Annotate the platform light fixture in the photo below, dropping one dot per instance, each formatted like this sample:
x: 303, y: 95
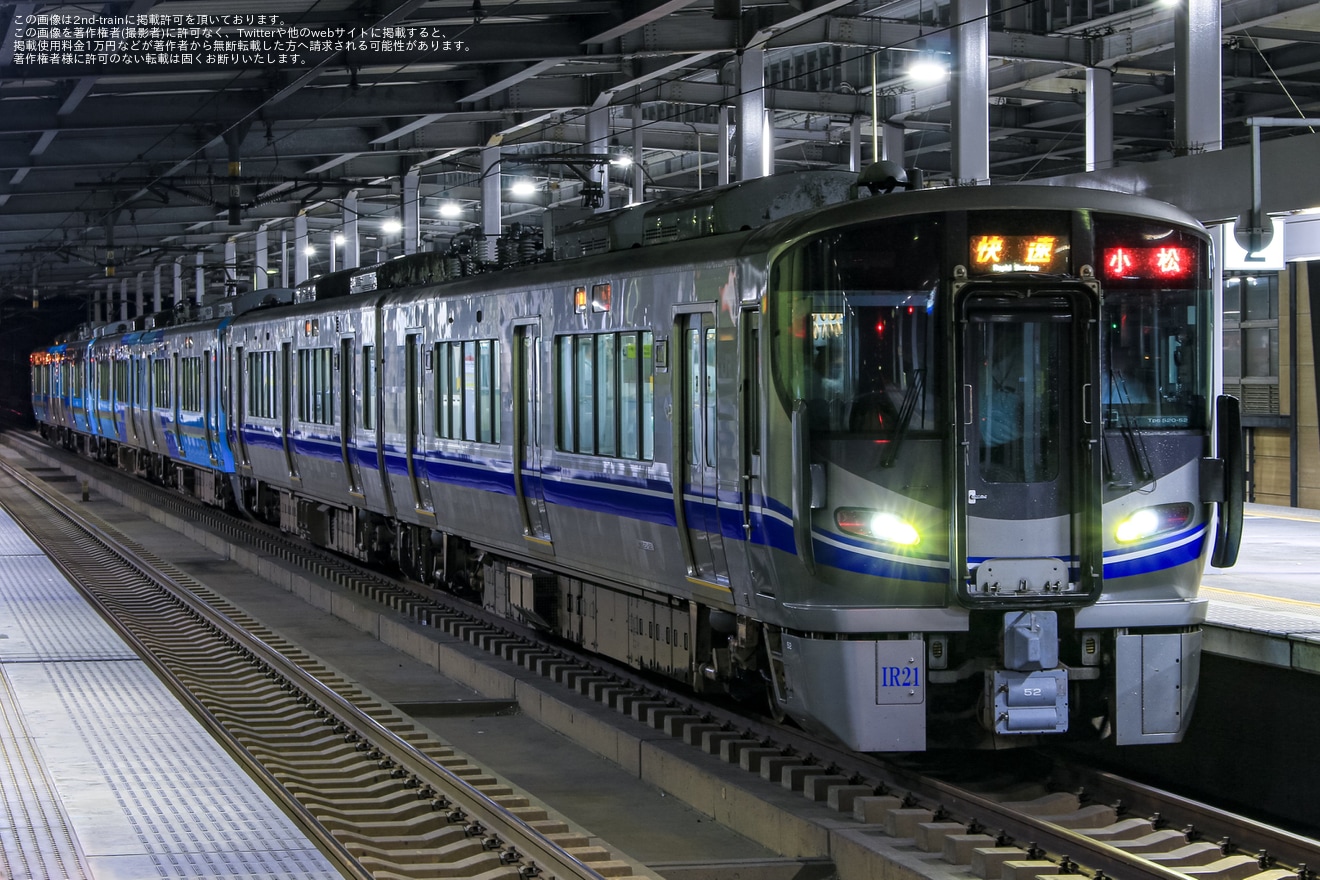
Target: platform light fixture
x: 927, y: 67
x: 523, y: 187
x: 450, y: 209
x: 392, y: 226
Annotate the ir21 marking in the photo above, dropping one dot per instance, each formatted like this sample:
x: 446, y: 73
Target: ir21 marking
x: 900, y: 676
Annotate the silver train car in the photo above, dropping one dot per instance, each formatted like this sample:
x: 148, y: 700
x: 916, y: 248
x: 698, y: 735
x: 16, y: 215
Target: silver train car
x: 938, y: 468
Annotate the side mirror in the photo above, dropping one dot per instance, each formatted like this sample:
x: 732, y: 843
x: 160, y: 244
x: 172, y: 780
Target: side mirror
x: 1231, y: 449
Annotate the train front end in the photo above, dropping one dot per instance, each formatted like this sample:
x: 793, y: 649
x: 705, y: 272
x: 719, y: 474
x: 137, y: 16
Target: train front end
x: 1001, y: 479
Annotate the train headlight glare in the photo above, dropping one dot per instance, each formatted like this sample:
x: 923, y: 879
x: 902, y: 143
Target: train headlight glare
x: 1141, y: 524
x: 877, y: 525
x: 1151, y: 521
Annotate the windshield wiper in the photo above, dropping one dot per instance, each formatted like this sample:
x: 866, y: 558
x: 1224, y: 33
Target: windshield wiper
x: 1136, y: 447
x: 905, y: 410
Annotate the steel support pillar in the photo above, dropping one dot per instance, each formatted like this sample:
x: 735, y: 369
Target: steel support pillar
x: 412, y: 212
x: 638, y: 170
x: 723, y: 148
x: 1198, y: 115
x: 891, y: 143
x: 301, y: 268
x: 231, y: 267
x: 598, y: 142
x: 1099, y: 118
x: 752, y: 140
x: 352, y: 246
x: 491, y: 212
x: 970, y: 91
x: 261, y: 259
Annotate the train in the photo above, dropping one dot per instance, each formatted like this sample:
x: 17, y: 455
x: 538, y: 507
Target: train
x: 921, y: 467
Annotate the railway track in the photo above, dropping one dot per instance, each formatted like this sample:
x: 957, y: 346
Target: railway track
x: 382, y: 797
x: 1071, y: 821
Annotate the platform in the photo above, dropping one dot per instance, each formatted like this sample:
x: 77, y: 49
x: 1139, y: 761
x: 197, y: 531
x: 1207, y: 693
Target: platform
x: 1266, y: 609
x: 105, y: 775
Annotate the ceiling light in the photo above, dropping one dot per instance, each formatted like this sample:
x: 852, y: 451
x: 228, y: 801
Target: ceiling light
x: 523, y: 188
x: 927, y: 68
x: 339, y: 238
x: 391, y: 226
x: 450, y: 209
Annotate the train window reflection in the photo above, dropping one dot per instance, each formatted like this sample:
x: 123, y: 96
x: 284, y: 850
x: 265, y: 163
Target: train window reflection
x: 1152, y: 368
x: 866, y: 358
x: 1017, y: 371
x: 854, y: 331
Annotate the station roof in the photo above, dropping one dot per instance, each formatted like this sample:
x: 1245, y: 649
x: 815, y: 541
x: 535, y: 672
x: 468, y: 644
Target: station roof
x: 143, y: 132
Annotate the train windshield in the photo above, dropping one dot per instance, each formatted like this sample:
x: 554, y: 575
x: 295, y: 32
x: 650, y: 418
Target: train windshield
x: 854, y: 331
x: 1155, y: 334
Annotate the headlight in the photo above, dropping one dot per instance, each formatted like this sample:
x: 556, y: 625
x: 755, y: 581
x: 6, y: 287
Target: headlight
x: 1151, y: 521
x: 877, y: 525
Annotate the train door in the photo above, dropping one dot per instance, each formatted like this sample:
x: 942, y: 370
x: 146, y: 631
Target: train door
x: 210, y: 416
x: 145, y: 403
x: 750, y: 419
x: 149, y: 403
x: 1030, y: 519
x: 373, y: 419
x: 348, y: 409
x: 132, y: 402
x: 176, y: 402
x: 527, y: 430
x: 286, y: 407
x: 696, y: 451
x: 241, y: 378
x: 414, y: 414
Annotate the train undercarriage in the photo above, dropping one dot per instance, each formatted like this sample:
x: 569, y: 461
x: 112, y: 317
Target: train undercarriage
x: 710, y: 650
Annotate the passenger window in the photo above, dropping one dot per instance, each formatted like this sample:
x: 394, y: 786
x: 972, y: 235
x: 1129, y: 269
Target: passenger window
x: 467, y: 376
x: 629, y: 400
x: 487, y: 368
x: 161, y: 368
x: 605, y: 388
x: 315, y: 386
x: 586, y: 393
